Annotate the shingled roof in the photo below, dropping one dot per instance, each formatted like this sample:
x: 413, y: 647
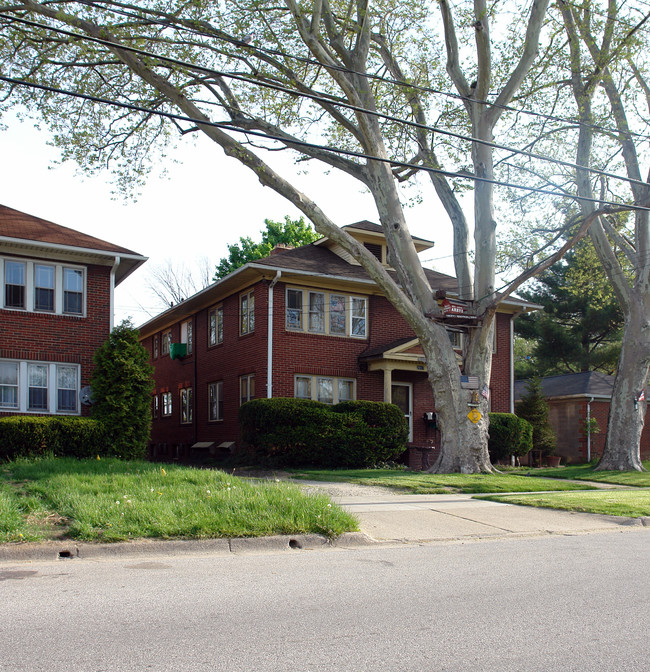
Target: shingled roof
x: 20, y: 225
x: 21, y: 231
x: 584, y: 384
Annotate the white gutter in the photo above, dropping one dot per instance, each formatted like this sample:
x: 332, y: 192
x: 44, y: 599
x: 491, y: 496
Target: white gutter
x: 589, y: 429
x: 269, y: 339
x: 114, y: 268
x: 512, y: 358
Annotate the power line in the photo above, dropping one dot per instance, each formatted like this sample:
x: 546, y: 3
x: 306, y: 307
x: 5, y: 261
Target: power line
x: 300, y: 143
x: 331, y: 100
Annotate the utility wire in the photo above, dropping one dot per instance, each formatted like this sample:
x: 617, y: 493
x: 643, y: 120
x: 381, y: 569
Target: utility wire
x: 332, y: 100
x: 228, y: 126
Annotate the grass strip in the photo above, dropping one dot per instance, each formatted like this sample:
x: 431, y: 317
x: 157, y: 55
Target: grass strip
x: 587, y: 472
x: 419, y: 483
x: 630, y: 503
x: 113, y: 500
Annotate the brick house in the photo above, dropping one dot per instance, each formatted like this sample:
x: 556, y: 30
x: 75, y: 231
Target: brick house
x: 305, y: 322
x: 573, y: 398
x: 56, y: 309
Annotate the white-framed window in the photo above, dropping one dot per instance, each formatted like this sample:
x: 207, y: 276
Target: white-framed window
x: 326, y: 389
x: 186, y: 335
x: 457, y: 339
x: 246, y: 388
x: 8, y: 385
x: 155, y: 346
x: 247, y: 313
x: 42, y: 287
x: 186, y: 405
x: 155, y: 405
x: 215, y: 401
x: 329, y: 313
x: 166, y: 399
x: 39, y: 387
x: 166, y: 342
x: 215, y: 325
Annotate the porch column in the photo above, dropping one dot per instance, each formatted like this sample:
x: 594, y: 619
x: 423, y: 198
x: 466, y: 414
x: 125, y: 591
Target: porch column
x: 388, y: 385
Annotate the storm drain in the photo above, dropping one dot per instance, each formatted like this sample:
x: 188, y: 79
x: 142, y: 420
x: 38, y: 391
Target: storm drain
x: 294, y: 543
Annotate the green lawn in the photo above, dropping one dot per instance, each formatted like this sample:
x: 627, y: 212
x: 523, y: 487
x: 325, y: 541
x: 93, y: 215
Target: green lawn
x: 419, y: 483
x: 632, y: 503
x: 586, y: 472
x: 114, y: 500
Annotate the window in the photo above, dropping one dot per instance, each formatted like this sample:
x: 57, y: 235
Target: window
x: 186, y: 406
x: 166, y: 403
x: 456, y: 338
x: 215, y: 401
x: 155, y: 347
x: 14, y: 284
x: 39, y: 387
x: 73, y: 291
x: 44, y: 288
x: 186, y: 335
x: 9, y: 385
x: 166, y: 342
x: 215, y: 326
x: 39, y: 287
x: 155, y: 405
x: 66, y: 389
x: 326, y: 313
x: 247, y: 388
x: 326, y: 389
x: 247, y: 313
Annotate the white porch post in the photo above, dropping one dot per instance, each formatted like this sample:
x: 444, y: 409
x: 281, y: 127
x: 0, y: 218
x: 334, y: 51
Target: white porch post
x: 388, y: 385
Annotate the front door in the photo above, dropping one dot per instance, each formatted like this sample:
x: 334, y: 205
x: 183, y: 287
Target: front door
x: 402, y: 396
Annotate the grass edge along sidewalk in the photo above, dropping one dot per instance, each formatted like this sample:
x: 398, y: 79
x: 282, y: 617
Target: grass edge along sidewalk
x: 110, y: 500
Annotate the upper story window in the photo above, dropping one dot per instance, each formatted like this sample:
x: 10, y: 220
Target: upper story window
x: 186, y: 335
x: 155, y: 347
x: 326, y: 313
x: 38, y: 287
x: 215, y: 325
x: 247, y: 313
x: 166, y: 341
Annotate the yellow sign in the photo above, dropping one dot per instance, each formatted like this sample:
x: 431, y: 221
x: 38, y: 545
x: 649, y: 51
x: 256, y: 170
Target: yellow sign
x: 474, y: 416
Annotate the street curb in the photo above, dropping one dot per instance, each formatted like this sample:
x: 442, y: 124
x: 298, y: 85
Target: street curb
x: 64, y: 551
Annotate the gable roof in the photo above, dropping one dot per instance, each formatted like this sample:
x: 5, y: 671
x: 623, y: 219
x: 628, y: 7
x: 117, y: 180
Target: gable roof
x: 26, y: 232
x: 584, y: 384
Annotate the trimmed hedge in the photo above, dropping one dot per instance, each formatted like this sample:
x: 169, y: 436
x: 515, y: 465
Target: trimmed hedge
x: 300, y: 432
x: 26, y: 436
x: 509, y: 435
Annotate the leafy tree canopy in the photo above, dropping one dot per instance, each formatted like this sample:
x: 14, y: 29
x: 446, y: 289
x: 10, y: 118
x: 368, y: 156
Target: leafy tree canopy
x: 580, y: 326
x: 291, y: 232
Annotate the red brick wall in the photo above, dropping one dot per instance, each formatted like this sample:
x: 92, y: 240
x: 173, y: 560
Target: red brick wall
x: 61, y: 338
x: 293, y: 353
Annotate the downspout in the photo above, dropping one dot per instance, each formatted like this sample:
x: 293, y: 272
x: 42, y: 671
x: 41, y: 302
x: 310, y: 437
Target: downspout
x: 512, y: 358
x: 111, y: 323
x: 269, y: 339
x: 589, y: 429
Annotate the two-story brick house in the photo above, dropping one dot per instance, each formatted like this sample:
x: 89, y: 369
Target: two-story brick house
x: 56, y: 308
x: 305, y: 322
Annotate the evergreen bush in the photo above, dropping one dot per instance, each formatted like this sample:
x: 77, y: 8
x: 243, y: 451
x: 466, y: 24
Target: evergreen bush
x: 300, y: 432
x: 122, y: 384
x: 509, y: 435
x: 534, y: 408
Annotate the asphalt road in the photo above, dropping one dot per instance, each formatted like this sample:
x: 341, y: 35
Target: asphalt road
x: 575, y: 602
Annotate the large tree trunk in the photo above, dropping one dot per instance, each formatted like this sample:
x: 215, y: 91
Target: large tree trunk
x: 627, y: 412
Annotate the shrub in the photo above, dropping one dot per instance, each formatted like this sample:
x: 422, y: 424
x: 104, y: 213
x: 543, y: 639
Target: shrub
x: 25, y: 436
x: 300, y: 432
x: 122, y: 385
x: 509, y: 435
x: 534, y: 408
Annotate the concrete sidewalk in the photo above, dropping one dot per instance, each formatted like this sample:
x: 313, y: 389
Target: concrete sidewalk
x: 422, y: 518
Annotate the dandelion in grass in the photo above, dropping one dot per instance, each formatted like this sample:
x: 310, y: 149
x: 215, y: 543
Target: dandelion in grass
x: 164, y: 473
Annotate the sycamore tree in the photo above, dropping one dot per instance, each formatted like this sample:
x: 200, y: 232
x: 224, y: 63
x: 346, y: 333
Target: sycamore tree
x: 600, y: 95
x: 357, y: 87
